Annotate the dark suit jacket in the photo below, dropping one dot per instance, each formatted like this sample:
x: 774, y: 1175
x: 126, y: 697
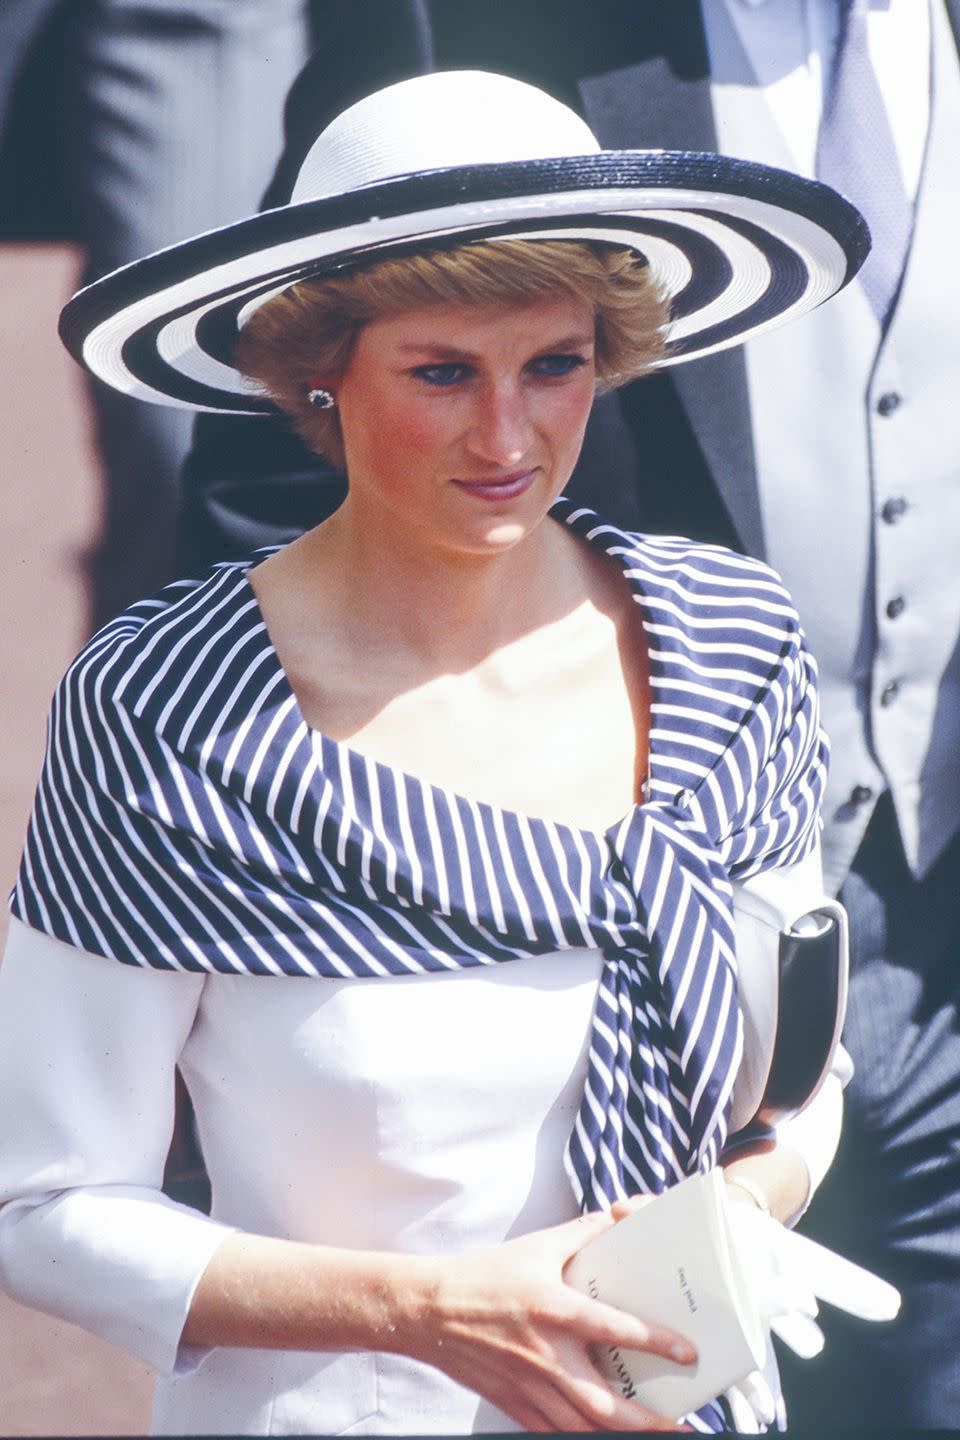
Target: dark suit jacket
x: 671, y: 453
x: 32, y: 170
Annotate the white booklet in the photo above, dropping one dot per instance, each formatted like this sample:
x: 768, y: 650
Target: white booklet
x: 674, y: 1262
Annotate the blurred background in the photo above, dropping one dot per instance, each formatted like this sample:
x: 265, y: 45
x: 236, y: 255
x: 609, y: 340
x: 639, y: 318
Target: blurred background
x: 54, y: 1378
x: 124, y: 125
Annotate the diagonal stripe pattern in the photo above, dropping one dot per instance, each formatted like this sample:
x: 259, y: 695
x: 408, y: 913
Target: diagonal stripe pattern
x: 187, y: 818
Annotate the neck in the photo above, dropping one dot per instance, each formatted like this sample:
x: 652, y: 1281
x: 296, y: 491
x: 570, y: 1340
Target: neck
x: 436, y: 607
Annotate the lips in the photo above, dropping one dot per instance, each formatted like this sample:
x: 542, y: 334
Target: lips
x: 505, y: 487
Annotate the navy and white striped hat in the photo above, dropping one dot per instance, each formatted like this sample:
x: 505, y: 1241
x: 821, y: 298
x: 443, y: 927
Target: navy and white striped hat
x: 456, y: 156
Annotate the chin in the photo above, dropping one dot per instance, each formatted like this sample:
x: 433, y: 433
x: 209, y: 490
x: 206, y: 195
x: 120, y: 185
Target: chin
x: 505, y: 533
x: 497, y: 533
x: 498, y: 536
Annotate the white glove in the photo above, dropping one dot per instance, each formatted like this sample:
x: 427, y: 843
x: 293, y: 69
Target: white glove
x: 753, y: 1406
x: 786, y: 1272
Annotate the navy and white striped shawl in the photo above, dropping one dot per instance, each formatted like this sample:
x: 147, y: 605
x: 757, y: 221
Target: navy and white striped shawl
x: 188, y: 818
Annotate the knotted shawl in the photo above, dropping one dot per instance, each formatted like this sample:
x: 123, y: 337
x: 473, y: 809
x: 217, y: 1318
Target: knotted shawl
x: 188, y: 818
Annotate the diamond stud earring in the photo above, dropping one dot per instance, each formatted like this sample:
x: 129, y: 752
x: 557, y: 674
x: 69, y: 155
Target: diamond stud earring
x: 321, y: 399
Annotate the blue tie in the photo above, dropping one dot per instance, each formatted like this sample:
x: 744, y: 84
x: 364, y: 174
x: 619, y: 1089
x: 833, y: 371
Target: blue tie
x: 856, y: 154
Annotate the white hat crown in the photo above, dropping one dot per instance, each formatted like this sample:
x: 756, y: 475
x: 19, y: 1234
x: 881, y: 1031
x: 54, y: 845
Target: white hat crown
x: 439, y: 121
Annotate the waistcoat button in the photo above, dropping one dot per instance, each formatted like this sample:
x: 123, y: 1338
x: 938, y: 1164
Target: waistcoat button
x: 860, y: 794
x: 889, y: 402
x: 893, y: 510
x: 889, y: 693
x: 896, y: 607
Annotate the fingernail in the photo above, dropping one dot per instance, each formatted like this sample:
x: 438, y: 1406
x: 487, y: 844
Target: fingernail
x: 683, y: 1354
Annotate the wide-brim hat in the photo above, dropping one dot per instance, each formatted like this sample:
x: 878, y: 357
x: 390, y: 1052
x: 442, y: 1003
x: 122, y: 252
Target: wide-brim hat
x: 459, y: 156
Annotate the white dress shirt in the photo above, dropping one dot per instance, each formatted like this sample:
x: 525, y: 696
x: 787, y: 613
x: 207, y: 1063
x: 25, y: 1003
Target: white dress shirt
x: 854, y: 431
x: 787, y: 44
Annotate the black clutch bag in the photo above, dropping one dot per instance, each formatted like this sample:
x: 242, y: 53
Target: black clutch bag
x: 792, y: 989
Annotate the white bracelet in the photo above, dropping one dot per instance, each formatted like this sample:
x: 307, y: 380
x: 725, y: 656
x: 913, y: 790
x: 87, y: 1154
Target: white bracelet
x: 751, y: 1188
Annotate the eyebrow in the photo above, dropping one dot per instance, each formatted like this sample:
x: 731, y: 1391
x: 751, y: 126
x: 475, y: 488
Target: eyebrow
x: 452, y: 352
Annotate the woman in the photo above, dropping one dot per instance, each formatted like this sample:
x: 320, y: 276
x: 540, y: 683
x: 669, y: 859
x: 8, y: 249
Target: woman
x: 329, y: 765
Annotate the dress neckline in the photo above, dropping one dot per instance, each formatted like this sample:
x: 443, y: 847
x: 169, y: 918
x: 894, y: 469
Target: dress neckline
x: 340, y: 753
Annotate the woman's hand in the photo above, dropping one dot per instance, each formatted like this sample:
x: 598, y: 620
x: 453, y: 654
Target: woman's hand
x: 503, y: 1322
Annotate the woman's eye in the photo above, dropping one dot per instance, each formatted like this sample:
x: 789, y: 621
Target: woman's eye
x: 447, y: 374
x: 556, y: 365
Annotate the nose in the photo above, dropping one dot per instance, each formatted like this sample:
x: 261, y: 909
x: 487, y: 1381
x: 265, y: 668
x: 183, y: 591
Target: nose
x: 501, y: 429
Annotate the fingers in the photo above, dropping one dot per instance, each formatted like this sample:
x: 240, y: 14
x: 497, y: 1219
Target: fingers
x: 839, y: 1281
x: 600, y: 1324
x: 744, y: 1417
x: 620, y: 1209
x: 753, y: 1406
x: 504, y: 1323
x: 597, y: 1323
x: 757, y: 1394
x: 597, y: 1403
x: 515, y: 1400
x: 606, y: 1325
x: 761, y: 1397
x: 797, y: 1268
x: 572, y: 1235
x: 800, y: 1332
x: 556, y: 1388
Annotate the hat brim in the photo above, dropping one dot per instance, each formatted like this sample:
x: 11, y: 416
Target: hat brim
x: 737, y: 247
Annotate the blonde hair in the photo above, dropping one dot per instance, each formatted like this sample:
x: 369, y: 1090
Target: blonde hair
x: 310, y: 329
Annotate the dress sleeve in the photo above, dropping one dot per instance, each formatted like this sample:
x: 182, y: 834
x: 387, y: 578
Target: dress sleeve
x: 764, y: 905
x: 815, y: 1133
x: 88, y: 1048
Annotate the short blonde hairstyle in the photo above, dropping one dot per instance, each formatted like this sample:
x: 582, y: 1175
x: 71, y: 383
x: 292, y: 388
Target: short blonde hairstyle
x: 310, y: 329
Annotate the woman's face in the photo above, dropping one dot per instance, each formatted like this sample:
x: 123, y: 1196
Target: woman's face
x: 462, y: 425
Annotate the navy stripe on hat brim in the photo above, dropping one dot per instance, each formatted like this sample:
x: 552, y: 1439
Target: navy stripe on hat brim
x: 115, y: 326
x: 217, y: 328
